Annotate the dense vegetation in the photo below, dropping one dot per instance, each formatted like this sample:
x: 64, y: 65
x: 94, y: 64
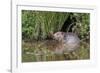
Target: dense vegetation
x: 37, y: 24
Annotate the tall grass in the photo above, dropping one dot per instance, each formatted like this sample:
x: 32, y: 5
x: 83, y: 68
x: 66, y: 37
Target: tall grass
x: 38, y: 24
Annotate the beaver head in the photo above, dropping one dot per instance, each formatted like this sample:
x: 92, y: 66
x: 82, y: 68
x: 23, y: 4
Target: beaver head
x: 59, y: 36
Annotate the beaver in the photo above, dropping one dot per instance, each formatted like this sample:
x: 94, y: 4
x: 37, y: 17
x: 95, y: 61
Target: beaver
x: 69, y: 41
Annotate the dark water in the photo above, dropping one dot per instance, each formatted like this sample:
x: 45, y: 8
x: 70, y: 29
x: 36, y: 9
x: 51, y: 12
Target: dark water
x: 43, y: 51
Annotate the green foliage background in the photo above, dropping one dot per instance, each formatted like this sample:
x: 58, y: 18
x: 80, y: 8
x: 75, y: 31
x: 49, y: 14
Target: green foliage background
x: 37, y: 25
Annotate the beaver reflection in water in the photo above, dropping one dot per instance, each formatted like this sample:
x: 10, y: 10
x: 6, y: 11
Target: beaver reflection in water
x: 69, y: 42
